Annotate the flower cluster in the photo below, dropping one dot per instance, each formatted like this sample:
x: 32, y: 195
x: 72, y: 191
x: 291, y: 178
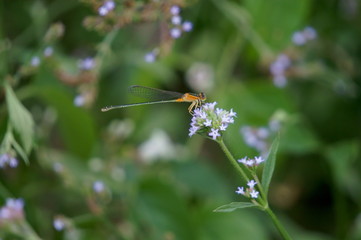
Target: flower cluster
x: 211, y: 120
x: 256, y: 137
x: 248, y: 162
x: 13, y: 210
x: 106, y: 8
x: 176, y: 21
x: 8, y: 160
x: 278, y: 70
x: 300, y: 38
x: 250, y: 191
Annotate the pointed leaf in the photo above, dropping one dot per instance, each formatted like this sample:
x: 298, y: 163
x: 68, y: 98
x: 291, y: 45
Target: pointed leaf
x: 20, y: 151
x: 233, y: 206
x: 269, y: 165
x: 20, y: 119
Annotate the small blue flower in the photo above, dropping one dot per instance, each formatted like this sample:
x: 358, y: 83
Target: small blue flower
x: 98, y: 186
x: 150, y: 57
x: 187, y: 26
x: 59, y: 224
x: 176, y: 20
x: 174, y: 10
x: 254, y: 194
x: 240, y: 190
x: 175, y: 33
x: 251, y: 183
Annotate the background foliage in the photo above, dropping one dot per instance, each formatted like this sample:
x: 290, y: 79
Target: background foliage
x: 156, y: 182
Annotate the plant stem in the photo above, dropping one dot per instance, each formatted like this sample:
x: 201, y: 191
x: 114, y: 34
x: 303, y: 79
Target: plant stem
x: 278, y: 224
x: 233, y: 160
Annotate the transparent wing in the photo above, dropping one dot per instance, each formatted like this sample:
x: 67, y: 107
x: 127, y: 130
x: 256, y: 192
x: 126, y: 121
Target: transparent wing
x: 153, y: 94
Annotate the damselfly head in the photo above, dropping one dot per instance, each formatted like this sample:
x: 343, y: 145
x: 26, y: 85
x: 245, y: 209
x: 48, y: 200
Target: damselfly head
x: 202, y: 96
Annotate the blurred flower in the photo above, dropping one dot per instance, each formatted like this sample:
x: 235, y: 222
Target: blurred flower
x: 200, y: 76
x: 256, y: 137
x: 174, y: 10
x: 302, y: 37
x: 298, y: 38
x: 175, y: 33
x: 59, y: 224
x: 79, y: 100
x: 187, y: 26
x: 210, y: 120
x: 110, y: 5
x: 278, y: 69
x: 48, y: 51
x: 35, y: 61
x: 158, y: 146
x: 120, y: 129
x: 98, y: 186
x: 150, y: 57
x: 8, y: 160
x: 106, y: 8
x: 86, y: 63
x: 176, y: 20
x: 13, y: 210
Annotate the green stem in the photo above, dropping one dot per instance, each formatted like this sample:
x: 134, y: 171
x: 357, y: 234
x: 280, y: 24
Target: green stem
x: 233, y: 160
x: 278, y: 224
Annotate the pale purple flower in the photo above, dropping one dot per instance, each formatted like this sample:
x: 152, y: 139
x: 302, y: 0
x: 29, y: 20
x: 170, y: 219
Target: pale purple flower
x: 86, y: 63
x: 13, y: 209
x: 150, y: 57
x: 251, y: 183
x: 310, y: 33
x: 254, y: 194
x: 280, y: 81
x: 240, y: 190
x: 176, y: 20
x: 13, y: 162
x: 175, y: 33
x: 102, y: 10
x: 298, y: 38
x: 174, y: 10
x: 259, y: 160
x: 98, y: 186
x: 242, y: 160
x: 35, y: 61
x: 214, y: 133
x: 48, y: 51
x: 187, y: 26
x: 8, y: 160
x: 110, y: 5
x: 250, y: 163
x: 208, y: 123
x: 79, y: 100
x: 59, y: 224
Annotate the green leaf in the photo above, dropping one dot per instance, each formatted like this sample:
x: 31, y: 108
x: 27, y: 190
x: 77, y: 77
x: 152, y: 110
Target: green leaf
x: 275, y: 21
x: 233, y: 206
x: 269, y: 165
x: 20, y: 150
x: 20, y: 119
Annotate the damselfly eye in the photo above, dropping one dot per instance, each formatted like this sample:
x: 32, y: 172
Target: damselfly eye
x: 202, y: 96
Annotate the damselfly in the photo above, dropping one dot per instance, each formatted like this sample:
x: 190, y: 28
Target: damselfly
x: 161, y: 96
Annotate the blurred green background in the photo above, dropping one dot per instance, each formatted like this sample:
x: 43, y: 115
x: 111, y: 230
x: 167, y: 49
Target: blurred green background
x: 156, y: 182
